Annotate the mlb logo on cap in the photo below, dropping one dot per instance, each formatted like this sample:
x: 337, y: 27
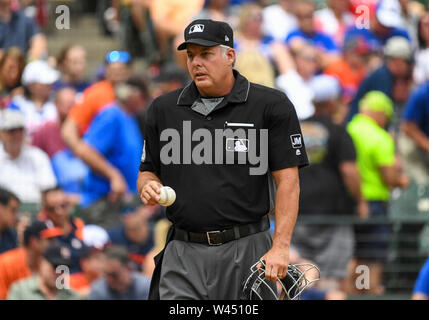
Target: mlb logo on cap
x: 196, y: 28
x: 208, y: 33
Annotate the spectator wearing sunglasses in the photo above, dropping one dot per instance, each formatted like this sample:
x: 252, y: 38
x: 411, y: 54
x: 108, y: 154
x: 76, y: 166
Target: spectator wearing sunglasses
x: 119, y: 282
x: 306, y: 33
x: 135, y: 234
x: 94, y: 100
x: 66, y: 229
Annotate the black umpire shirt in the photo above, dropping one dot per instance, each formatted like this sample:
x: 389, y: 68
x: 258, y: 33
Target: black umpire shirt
x: 208, y: 159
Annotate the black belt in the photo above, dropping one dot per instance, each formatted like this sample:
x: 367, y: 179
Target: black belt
x: 218, y: 237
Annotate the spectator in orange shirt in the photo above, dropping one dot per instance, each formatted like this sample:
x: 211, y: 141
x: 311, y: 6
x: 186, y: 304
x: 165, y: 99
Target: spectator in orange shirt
x: 350, y: 70
x: 95, y: 98
x: 22, y: 262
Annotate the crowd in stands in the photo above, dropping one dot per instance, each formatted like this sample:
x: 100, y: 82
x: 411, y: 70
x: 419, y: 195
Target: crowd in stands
x: 357, y: 72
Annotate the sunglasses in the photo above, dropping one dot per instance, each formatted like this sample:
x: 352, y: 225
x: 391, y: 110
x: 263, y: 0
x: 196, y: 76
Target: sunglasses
x: 113, y: 275
x: 309, y: 58
x: 15, y: 130
x: 62, y: 206
x: 118, y: 56
x: 305, y: 16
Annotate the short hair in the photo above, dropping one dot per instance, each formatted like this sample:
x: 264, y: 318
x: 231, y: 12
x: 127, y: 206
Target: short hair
x: 224, y: 49
x: 6, y: 195
x: 62, y: 55
x: 117, y: 252
x: 51, y: 189
x: 62, y: 88
x: 122, y: 91
x: 420, y: 39
x: 34, y: 230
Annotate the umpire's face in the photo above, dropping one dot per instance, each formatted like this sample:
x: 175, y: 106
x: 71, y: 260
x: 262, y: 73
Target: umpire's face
x: 209, y: 67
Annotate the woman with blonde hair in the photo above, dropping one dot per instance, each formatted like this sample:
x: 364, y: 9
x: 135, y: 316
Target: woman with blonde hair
x: 258, y: 56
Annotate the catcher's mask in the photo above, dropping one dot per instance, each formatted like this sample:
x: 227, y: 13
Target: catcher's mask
x: 290, y: 287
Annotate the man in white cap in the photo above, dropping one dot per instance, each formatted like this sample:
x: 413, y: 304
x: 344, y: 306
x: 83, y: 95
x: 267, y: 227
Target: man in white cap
x: 330, y: 187
x: 25, y: 170
x: 36, y: 103
x: 394, y: 77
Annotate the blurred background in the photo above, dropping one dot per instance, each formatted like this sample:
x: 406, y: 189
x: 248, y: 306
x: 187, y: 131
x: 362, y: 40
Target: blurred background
x: 76, y: 78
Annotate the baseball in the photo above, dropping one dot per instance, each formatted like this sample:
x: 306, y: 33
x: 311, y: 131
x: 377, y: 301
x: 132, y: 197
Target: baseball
x: 167, y: 196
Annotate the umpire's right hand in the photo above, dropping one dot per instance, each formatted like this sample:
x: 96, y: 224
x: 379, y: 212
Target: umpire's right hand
x: 150, y: 193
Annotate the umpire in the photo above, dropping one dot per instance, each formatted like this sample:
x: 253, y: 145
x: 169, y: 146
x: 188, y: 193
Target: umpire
x: 203, y: 141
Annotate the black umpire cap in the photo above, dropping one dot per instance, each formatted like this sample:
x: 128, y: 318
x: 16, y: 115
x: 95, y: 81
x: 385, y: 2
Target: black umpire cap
x: 208, y: 33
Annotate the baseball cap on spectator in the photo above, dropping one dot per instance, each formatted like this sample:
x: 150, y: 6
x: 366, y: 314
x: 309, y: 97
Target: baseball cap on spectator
x: 57, y: 255
x: 39, y: 72
x: 118, y: 56
x: 398, y: 47
x: 325, y: 88
x: 357, y: 44
x: 129, y: 204
x: 388, y: 13
x: 95, y: 236
x: 208, y: 33
x: 87, y: 251
x: 11, y: 119
x: 377, y: 101
x: 37, y: 229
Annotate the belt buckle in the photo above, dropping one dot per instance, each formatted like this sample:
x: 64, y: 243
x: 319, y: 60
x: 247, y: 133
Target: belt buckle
x: 209, y: 240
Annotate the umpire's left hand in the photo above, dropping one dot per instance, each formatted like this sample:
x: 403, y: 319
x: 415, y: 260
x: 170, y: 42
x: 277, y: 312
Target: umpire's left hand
x: 276, y: 263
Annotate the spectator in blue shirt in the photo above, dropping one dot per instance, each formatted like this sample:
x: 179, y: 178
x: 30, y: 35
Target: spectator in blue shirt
x: 9, y: 204
x: 393, y: 78
x: 328, y: 51
x: 421, y: 287
x: 414, y: 143
x: 135, y: 234
x: 17, y: 30
x: 116, y: 135
x: 119, y: 282
x: 416, y: 117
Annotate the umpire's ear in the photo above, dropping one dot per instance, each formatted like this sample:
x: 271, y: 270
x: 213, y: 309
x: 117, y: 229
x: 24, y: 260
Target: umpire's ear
x: 231, y: 56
